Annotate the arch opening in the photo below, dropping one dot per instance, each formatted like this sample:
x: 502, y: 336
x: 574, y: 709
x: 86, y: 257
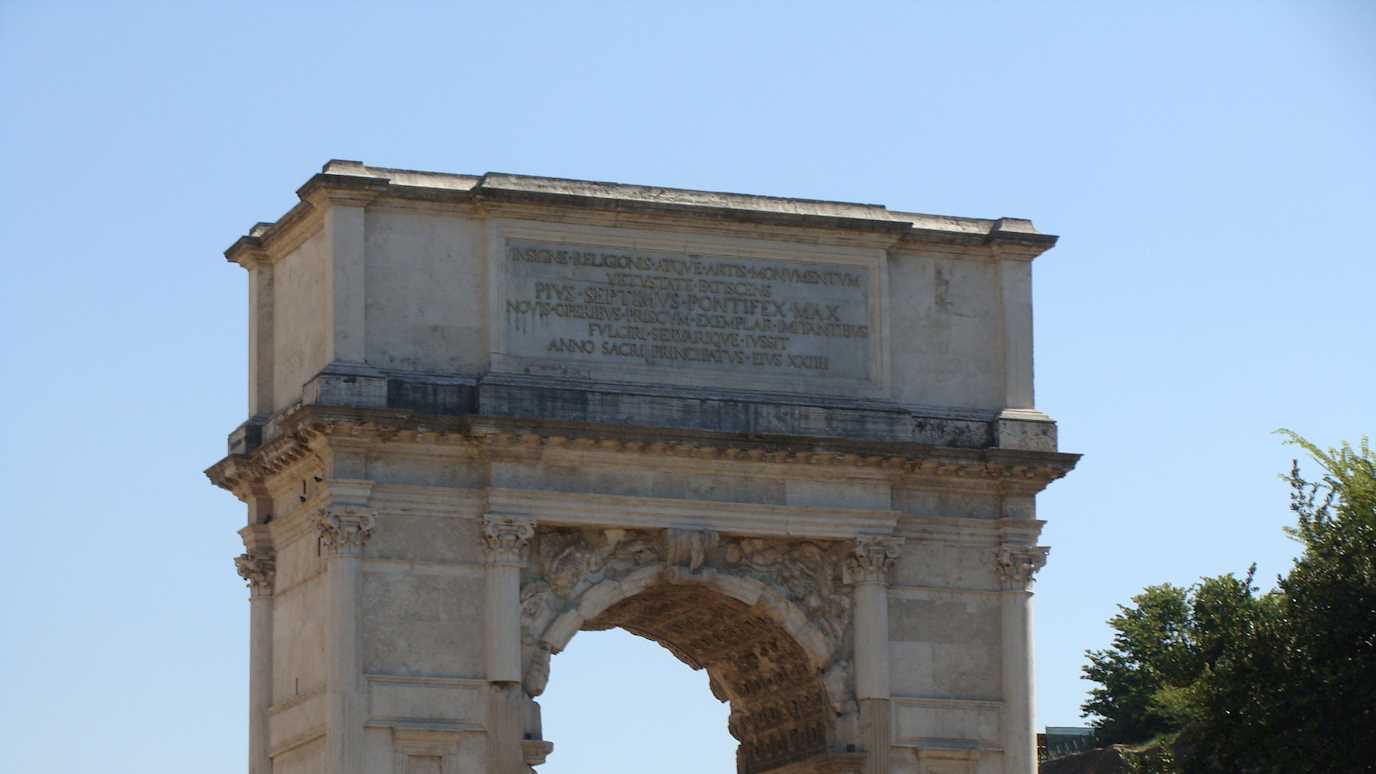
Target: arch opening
x: 780, y: 712
x: 617, y: 702
x: 768, y: 620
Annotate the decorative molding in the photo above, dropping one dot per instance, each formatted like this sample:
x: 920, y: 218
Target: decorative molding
x: 421, y: 725
x: 943, y: 593
x: 934, y: 530
x: 536, y: 750
x: 495, y: 196
x: 345, y: 531
x: 872, y: 558
x: 297, y: 700
x: 299, y: 740
x: 577, y: 509
x: 942, y: 702
x: 444, y: 681
x: 1017, y: 565
x: 507, y: 538
x: 498, y: 437
x: 447, y: 502
x: 946, y: 747
x: 421, y: 567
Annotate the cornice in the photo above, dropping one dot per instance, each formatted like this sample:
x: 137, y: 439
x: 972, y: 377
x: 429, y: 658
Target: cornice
x: 352, y: 183
x: 237, y: 473
x: 269, y: 241
x: 503, y: 437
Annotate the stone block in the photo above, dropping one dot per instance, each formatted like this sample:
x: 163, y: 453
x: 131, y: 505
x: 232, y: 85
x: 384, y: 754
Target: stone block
x: 559, y: 633
x: 1026, y: 430
x: 599, y: 598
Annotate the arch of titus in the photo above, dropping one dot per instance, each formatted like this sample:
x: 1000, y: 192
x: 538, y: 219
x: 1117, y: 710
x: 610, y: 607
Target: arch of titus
x: 791, y: 441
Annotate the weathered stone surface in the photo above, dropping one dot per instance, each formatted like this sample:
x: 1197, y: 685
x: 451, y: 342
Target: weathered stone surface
x: 793, y: 442
x: 588, y: 307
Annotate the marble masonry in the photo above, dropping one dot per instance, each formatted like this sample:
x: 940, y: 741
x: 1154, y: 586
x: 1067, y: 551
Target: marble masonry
x: 793, y: 442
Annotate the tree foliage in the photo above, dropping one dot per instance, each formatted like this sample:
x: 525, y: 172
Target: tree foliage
x: 1248, y: 682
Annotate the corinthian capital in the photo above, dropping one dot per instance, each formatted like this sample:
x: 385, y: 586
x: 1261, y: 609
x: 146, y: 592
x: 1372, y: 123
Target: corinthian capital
x: 872, y: 558
x: 507, y: 538
x: 257, y: 568
x: 1017, y: 565
x: 344, y: 531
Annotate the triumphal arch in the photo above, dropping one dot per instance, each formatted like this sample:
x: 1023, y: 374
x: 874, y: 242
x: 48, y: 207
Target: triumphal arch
x: 793, y: 442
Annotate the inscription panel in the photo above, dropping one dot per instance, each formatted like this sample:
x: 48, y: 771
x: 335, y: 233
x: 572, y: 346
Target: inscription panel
x: 606, y: 308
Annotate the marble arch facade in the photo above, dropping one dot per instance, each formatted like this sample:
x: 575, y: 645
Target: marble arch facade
x: 793, y: 442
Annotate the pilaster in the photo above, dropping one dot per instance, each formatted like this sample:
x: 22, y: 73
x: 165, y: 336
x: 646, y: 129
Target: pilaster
x: 345, y: 220
x: 260, y: 336
x: 1015, y: 286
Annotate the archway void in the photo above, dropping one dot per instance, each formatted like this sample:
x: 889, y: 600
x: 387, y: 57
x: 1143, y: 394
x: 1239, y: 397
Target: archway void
x: 620, y: 704
x: 779, y: 710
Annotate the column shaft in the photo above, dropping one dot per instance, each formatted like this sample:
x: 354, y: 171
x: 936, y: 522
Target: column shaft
x: 345, y: 726
x: 503, y: 641
x: 1020, y: 750
x: 871, y: 641
x: 876, y: 733
x: 259, y: 683
x: 258, y: 567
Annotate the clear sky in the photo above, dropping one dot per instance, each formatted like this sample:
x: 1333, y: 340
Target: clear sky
x: 1211, y: 168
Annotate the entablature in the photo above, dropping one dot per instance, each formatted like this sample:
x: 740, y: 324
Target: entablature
x: 487, y: 438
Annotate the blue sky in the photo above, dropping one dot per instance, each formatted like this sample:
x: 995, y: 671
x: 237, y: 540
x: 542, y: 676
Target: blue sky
x: 1210, y: 168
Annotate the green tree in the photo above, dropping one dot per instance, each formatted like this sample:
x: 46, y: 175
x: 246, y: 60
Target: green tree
x: 1227, y: 716
x: 1278, y: 682
x: 1329, y: 673
x: 1151, y: 651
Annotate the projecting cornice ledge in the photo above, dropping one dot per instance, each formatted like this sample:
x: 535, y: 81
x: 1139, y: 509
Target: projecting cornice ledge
x: 355, y: 183
x: 513, y: 437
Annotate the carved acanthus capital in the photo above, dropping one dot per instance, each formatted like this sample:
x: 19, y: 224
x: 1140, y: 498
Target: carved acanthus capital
x: 1017, y: 565
x: 344, y: 531
x: 508, y: 538
x: 872, y: 558
x: 257, y: 568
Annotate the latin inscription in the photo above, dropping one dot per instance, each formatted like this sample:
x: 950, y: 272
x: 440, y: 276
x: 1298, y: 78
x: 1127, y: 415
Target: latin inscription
x: 603, y: 306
